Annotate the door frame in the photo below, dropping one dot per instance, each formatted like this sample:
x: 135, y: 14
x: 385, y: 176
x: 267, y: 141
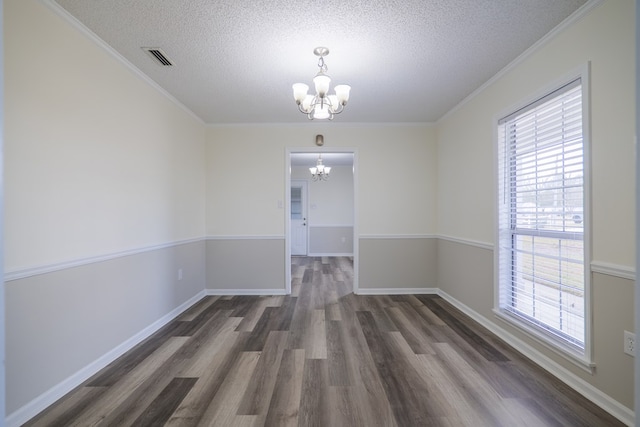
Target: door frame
x: 287, y: 206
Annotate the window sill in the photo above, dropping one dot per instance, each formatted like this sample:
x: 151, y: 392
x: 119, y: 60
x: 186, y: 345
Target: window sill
x: 547, y: 341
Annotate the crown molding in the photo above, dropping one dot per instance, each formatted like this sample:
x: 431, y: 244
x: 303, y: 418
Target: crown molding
x: 321, y: 125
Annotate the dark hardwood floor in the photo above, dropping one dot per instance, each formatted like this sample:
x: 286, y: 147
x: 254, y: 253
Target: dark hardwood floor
x: 323, y: 357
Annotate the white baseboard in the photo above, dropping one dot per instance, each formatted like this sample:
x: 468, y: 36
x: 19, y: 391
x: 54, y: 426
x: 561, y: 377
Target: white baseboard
x: 49, y: 397
x: 596, y: 396
x: 396, y: 291
x: 265, y: 292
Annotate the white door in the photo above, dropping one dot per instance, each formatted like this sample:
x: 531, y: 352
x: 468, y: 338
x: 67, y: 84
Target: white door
x: 298, y: 217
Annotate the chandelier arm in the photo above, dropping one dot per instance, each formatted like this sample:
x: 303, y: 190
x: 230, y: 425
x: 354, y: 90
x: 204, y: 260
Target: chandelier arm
x: 321, y: 102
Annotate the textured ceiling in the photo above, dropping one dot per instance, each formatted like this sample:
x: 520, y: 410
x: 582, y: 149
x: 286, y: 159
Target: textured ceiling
x: 406, y: 60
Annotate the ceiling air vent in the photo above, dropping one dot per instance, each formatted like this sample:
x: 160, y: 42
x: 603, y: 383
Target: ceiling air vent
x: 158, y: 55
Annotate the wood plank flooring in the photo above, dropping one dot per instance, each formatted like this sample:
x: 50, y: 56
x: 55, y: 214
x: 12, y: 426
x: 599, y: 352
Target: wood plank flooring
x: 323, y: 357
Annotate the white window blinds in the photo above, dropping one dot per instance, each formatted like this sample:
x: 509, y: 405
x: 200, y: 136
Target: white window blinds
x: 541, y: 215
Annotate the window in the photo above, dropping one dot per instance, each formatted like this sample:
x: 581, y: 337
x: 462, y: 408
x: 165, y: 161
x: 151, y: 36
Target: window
x: 542, y: 285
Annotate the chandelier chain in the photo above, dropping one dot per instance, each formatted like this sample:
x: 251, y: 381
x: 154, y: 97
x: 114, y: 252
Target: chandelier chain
x: 323, y: 67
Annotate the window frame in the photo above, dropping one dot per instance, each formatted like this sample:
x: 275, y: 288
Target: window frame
x: 582, y: 358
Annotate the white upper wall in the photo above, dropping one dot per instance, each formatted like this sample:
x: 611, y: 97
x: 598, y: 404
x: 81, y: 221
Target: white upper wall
x: 100, y: 162
x: 331, y: 201
x: 466, y: 164
x: 396, y: 176
x: 97, y: 160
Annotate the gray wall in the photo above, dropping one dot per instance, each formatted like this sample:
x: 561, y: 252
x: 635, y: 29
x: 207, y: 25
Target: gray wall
x: 398, y: 265
x: 330, y: 240
x: 65, y: 324
x: 245, y: 266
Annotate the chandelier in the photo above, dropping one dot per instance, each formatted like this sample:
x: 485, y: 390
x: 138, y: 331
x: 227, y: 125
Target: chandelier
x: 320, y: 172
x: 321, y: 105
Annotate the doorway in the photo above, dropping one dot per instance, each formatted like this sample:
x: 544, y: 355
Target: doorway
x: 321, y: 216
